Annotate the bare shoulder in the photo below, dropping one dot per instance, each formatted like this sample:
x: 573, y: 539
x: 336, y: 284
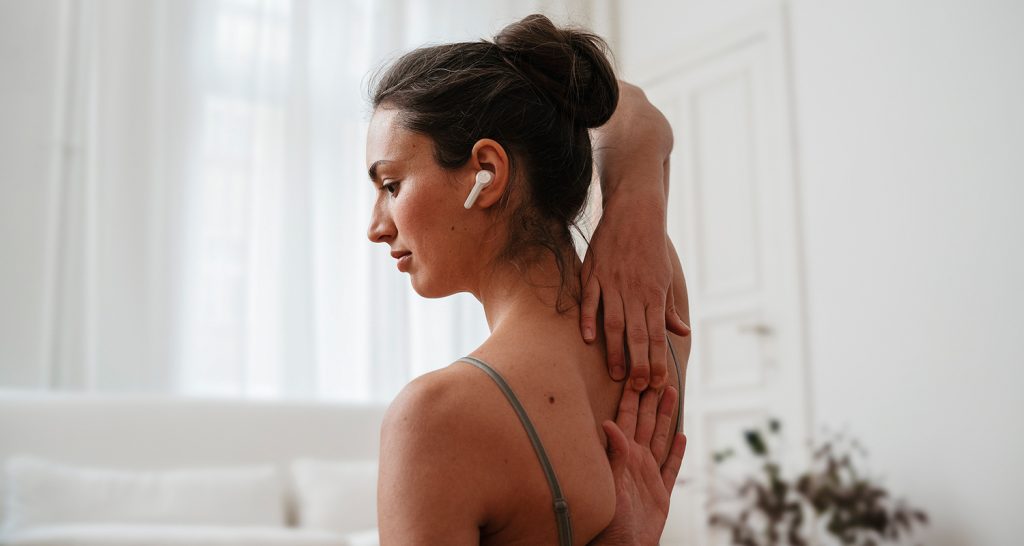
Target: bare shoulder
x: 436, y: 401
x: 436, y: 451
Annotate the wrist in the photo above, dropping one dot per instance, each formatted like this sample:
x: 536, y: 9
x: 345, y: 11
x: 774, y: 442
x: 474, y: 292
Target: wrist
x: 636, y: 202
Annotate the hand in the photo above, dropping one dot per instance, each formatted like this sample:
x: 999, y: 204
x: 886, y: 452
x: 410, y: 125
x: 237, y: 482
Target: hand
x: 637, y: 440
x: 627, y: 269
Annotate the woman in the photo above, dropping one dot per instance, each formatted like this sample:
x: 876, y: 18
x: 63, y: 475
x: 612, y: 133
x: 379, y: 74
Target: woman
x: 482, y: 159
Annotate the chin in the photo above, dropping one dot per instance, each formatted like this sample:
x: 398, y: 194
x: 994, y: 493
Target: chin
x: 430, y: 290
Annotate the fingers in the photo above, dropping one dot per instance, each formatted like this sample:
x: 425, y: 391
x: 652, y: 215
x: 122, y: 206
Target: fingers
x: 670, y: 470
x: 614, y: 323
x: 673, y: 321
x: 618, y: 445
x: 657, y: 344
x: 591, y: 299
x: 637, y: 340
x: 638, y: 421
x: 663, y: 425
x: 676, y: 324
x: 646, y: 417
x: 628, y: 407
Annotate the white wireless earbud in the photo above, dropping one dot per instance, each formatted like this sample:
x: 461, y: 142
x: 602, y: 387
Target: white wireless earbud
x: 483, y: 178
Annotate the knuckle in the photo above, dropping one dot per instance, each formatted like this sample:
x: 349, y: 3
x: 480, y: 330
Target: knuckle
x: 654, y: 293
x: 656, y: 337
x: 637, y: 335
x: 614, y: 322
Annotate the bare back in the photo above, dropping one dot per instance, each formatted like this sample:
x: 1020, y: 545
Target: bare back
x: 480, y: 447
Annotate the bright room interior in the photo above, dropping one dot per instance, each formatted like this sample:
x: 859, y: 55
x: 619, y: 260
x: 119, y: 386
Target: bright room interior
x: 187, y: 282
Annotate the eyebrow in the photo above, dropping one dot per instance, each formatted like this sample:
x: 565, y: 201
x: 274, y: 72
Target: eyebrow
x: 373, y: 168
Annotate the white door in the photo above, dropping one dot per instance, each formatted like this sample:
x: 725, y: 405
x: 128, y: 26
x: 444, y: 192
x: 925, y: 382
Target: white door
x: 734, y: 220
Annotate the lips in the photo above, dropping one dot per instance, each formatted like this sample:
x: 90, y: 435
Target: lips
x: 404, y: 257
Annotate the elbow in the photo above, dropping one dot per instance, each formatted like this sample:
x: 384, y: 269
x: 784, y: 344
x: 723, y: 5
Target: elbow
x: 629, y: 90
x: 634, y: 99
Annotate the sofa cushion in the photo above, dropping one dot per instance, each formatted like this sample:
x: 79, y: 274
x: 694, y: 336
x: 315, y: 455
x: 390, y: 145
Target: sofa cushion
x: 337, y: 496
x: 43, y: 493
x: 171, y: 535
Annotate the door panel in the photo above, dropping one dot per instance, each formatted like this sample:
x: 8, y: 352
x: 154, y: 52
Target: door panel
x: 732, y: 216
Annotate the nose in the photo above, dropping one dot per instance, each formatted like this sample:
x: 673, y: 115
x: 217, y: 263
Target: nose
x: 381, y: 229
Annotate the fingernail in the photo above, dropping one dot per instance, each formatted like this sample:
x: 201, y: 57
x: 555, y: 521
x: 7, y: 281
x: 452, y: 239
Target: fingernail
x: 639, y: 384
x: 588, y: 333
x: 618, y: 372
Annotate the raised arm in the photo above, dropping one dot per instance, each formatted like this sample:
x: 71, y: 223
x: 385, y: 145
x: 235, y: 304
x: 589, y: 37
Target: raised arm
x: 628, y: 268
x: 637, y: 130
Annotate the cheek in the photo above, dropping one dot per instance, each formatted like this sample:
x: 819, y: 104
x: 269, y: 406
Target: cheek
x: 427, y: 228
x: 421, y: 218
x: 408, y: 220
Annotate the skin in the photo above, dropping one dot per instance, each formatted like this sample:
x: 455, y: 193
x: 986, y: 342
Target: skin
x: 637, y: 439
x: 635, y: 290
x: 456, y: 465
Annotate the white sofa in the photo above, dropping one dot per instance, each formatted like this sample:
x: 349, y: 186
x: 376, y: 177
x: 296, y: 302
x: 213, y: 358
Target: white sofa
x: 129, y: 470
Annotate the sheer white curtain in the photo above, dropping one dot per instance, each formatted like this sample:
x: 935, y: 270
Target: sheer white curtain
x: 283, y: 294
x: 238, y: 177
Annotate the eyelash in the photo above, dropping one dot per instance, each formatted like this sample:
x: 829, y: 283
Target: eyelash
x: 390, y: 187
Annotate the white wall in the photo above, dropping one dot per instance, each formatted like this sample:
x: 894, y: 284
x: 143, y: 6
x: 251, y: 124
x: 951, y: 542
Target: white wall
x: 910, y: 132
x: 911, y: 128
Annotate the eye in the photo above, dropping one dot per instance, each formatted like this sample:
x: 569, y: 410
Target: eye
x: 390, y: 187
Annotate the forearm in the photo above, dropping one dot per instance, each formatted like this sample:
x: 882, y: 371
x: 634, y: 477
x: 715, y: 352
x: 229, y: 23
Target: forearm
x: 638, y: 136
x: 632, y: 160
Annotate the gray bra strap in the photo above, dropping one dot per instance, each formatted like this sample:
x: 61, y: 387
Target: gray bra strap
x: 679, y: 376
x: 561, y: 506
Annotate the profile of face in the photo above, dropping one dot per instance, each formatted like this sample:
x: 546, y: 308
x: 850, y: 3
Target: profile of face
x: 418, y: 208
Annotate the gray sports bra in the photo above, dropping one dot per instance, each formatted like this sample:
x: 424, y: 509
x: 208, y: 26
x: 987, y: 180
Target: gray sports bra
x: 560, y: 504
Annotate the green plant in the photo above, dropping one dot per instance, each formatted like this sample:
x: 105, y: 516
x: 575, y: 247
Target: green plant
x: 769, y: 510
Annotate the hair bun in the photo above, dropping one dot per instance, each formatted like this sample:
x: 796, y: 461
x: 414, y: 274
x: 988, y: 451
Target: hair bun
x: 569, y: 66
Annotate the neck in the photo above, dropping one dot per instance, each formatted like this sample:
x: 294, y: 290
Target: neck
x: 512, y: 293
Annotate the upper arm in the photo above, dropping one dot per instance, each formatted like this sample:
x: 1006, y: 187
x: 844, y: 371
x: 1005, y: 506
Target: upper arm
x: 428, y: 487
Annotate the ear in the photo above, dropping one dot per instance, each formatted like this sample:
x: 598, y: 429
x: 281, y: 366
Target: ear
x: 488, y: 155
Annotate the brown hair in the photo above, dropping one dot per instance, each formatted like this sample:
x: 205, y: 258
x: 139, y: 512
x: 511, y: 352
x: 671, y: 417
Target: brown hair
x: 535, y: 89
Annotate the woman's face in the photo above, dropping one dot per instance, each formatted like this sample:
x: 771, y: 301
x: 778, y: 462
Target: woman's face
x: 418, y: 209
